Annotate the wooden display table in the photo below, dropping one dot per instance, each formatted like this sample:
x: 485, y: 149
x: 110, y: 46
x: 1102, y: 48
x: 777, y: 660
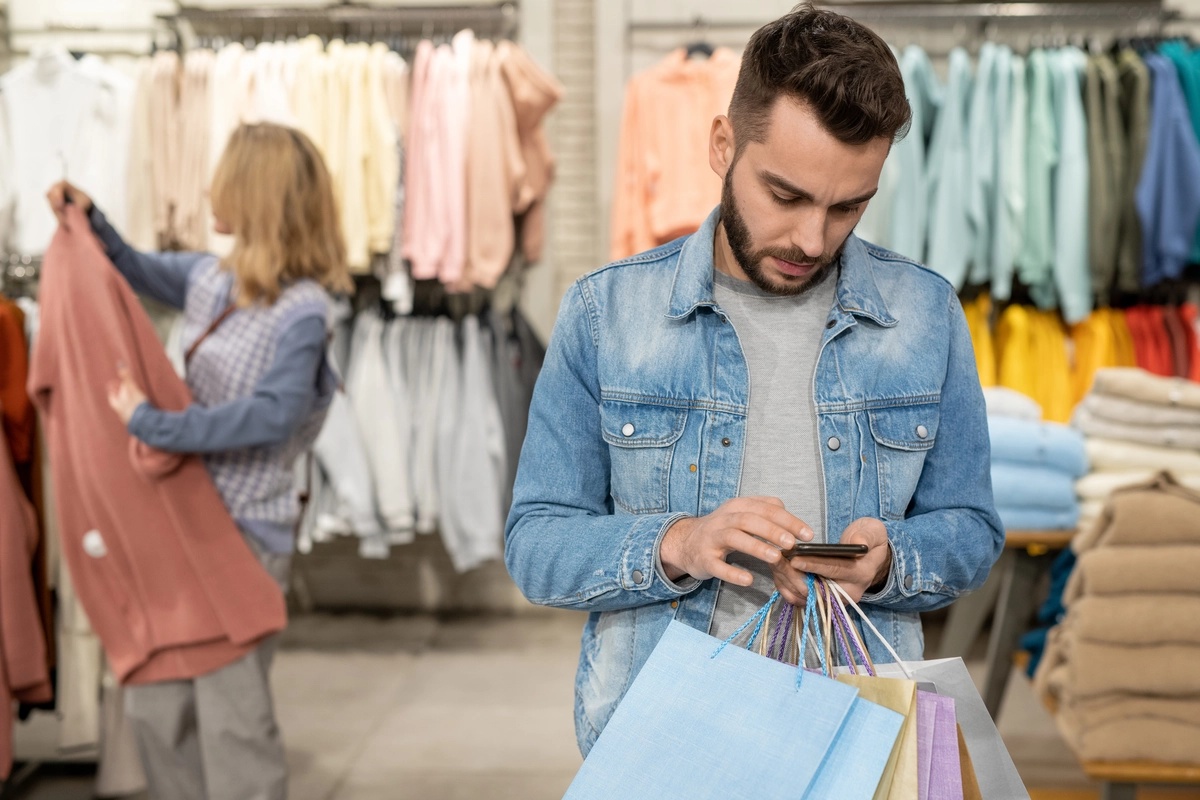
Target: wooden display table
x: 1011, y: 590
x: 1119, y: 779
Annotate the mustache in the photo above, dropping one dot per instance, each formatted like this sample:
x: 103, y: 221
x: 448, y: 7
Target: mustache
x: 794, y: 256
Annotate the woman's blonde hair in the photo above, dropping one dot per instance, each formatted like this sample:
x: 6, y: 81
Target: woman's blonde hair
x: 272, y: 189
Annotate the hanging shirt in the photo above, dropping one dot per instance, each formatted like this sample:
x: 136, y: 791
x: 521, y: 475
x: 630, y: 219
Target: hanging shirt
x: 534, y: 92
x: 984, y: 121
x: 663, y: 187
x: 57, y: 128
x: 1135, y: 115
x: 1168, y: 192
x: 1106, y: 165
x: 1187, y: 66
x: 1035, y: 261
x: 979, y: 318
x: 1071, y: 274
x: 1010, y: 204
x: 910, y: 209
x: 495, y: 171
x: 16, y: 412
x: 950, y: 238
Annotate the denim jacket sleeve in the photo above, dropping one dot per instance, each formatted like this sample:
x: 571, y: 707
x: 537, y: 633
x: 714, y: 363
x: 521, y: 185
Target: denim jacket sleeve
x: 564, y: 546
x: 952, y: 535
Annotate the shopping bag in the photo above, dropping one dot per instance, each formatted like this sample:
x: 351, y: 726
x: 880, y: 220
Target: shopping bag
x: 899, y: 778
x: 939, y: 771
x: 860, y: 755
x: 705, y: 720
x: 970, y: 782
x: 994, y: 770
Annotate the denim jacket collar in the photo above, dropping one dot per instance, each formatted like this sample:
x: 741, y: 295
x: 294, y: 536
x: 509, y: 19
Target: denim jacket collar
x: 857, y: 293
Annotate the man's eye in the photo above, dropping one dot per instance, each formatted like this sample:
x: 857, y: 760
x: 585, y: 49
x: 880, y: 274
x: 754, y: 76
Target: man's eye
x: 783, y: 201
x: 849, y: 209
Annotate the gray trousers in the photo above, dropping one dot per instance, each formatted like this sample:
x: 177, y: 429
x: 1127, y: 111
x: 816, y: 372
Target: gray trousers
x: 214, y: 737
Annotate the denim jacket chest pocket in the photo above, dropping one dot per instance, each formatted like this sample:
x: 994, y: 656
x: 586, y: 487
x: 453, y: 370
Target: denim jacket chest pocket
x: 641, y: 442
x: 902, y: 436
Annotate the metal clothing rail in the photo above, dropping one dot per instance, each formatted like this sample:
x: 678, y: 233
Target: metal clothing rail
x: 347, y: 13
x: 948, y: 12
x: 495, y: 15
x: 345, y: 20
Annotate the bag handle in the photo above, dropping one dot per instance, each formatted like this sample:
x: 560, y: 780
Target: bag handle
x: 862, y: 614
x: 852, y: 647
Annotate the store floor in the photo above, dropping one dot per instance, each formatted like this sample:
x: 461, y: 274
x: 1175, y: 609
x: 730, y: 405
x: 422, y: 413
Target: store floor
x: 414, y: 707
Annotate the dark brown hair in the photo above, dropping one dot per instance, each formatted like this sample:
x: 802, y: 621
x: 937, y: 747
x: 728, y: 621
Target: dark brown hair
x: 845, y: 73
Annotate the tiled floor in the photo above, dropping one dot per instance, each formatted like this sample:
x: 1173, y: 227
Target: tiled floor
x: 481, y: 708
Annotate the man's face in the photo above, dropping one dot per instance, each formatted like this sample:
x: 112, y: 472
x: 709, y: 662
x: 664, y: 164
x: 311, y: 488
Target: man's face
x: 789, y: 202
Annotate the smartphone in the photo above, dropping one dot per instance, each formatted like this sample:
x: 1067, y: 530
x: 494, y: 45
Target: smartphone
x: 826, y: 550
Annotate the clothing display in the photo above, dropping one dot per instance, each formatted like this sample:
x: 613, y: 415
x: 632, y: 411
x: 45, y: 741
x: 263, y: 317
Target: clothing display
x: 1034, y: 467
x: 1120, y: 667
x: 203, y: 599
x: 145, y: 145
x: 1135, y: 423
x: 1047, y: 168
x: 430, y: 407
x: 663, y: 187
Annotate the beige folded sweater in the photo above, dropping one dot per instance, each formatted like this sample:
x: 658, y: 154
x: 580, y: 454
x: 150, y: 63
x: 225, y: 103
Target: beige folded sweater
x: 1115, y: 454
x: 1137, y: 384
x: 1131, y: 728
x: 1118, y: 571
x: 1158, y: 512
x: 1137, y: 620
x: 1095, y: 669
x: 1116, y: 408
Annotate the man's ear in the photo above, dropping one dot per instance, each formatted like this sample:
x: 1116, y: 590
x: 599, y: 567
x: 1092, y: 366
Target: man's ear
x: 721, y: 146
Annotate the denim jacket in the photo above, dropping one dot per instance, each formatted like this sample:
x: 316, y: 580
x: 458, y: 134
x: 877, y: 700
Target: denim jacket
x: 639, y: 419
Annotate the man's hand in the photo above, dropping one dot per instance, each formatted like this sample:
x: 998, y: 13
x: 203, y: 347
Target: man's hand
x: 757, y: 526
x: 856, y: 575
x: 124, y: 395
x: 62, y: 192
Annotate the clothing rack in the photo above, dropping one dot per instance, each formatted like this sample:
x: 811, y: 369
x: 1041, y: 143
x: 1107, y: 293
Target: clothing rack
x: 923, y: 13
x: 349, y: 22
x: 977, y: 21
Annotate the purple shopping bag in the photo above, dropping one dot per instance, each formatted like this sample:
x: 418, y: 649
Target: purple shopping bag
x: 939, y: 770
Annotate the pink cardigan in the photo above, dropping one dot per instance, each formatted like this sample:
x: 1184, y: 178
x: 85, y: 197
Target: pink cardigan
x: 169, y: 585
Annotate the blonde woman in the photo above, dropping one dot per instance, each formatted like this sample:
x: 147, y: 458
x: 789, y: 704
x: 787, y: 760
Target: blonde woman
x: 255, y: 331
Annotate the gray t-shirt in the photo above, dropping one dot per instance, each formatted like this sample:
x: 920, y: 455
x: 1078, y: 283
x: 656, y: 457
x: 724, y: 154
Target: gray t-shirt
x: 781, y: 338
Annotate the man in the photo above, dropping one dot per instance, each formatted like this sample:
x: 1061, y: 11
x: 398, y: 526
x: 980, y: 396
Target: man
x: 768, y: 380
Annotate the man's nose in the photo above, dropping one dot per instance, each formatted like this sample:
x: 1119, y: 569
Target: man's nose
x: 808, y: 235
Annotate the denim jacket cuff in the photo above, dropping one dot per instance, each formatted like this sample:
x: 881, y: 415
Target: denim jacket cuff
x: 687, y: 583
x: 899, y: 582
x: 640, y: 569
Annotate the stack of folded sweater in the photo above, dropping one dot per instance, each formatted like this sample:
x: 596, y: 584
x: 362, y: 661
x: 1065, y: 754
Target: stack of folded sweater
x: 1121, y: 668
x: 1136, y: 424
x: 1034, y: 466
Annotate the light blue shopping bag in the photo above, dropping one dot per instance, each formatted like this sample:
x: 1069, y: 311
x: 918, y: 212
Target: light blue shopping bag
x: 702, y: 720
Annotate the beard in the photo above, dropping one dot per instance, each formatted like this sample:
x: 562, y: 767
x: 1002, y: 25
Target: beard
x: 737, y: 233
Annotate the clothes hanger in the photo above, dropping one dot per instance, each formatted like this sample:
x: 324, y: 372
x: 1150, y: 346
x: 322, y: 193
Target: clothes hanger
x: 699, y: 47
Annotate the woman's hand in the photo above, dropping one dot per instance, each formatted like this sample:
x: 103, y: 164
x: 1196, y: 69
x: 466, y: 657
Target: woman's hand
x: 60, y: 194
x: 124, y: 395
